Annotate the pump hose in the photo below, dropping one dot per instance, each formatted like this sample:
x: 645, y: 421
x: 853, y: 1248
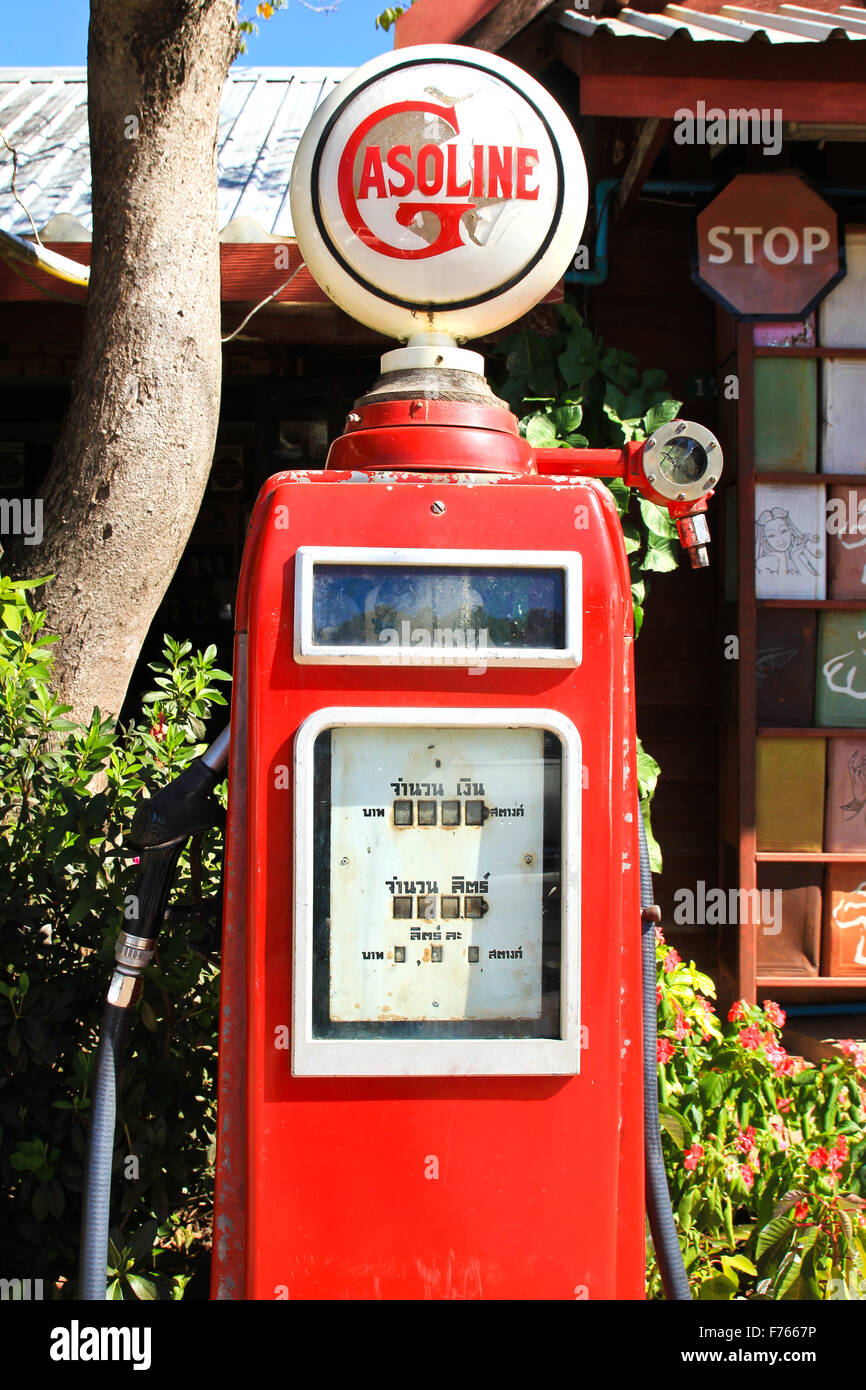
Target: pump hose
x: 100, y: 1152
x: 658, y: 1200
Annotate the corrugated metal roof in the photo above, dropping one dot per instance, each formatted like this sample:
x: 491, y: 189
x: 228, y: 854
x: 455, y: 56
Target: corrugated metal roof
x: 43, y: 114
x: 732, y: 23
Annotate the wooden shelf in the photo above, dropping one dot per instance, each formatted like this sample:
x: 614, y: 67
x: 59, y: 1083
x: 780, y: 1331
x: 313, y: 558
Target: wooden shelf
x: 792, y: 731
x: 769, y: 856
x: 852, y: 353
x: 810, y: 479
x: 821, y: 982
x: 833, y: 605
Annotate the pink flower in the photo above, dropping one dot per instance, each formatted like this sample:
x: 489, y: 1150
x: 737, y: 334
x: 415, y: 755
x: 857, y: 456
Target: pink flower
x: 782, y: 1064
x: 818, y: 1158
x: 783, y: 1104
x: 660, y: 937
x: 747, y: 1176
x: 693, y: 1156
x: 750, y: 1038
x: 774, y: 1013
x: 664, y: 1050
x: 671, y: 961
x: 856, y: 1051
x: 745, y: 1139
x: 736, y: 1012
x: 658, y: 995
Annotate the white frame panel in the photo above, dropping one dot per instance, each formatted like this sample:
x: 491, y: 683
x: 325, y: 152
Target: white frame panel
x: 436, y: 1056
x: 568, y: 561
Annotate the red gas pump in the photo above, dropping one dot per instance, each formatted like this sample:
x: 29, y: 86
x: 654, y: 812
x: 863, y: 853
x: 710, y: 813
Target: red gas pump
x: 431, y: 1019
x: 431, y: 1047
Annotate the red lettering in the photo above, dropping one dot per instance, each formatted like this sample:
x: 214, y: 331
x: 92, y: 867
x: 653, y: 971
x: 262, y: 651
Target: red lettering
x: 452, y: 188
x: 478, y: 171
x: 526, y: 164
x: 426, y: 183
x: 372, y: 173
x: 400, y: 160
x: 499, y: 171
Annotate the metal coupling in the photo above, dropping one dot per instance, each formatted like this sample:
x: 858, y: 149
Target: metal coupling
x: 134, y: 951
x: 694, y: 534
x: 124, y: 989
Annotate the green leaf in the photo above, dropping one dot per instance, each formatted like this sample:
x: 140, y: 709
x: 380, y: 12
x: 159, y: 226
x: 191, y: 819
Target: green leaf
x: 661, y: 415
x: 540, y: 432
x: 143, y: 1288
x: 712, y: 1088
x: 657, y: 520
x: 662, y: 556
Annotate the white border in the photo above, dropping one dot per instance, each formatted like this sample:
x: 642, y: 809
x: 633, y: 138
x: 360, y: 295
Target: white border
x: 306, y: 650
x: 436, y: 1056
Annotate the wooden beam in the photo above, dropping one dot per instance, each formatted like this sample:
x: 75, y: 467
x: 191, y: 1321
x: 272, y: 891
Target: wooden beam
x: 429, y: 21
x: 652, y: 135
x: 501, y: 24
x: 616, y: 94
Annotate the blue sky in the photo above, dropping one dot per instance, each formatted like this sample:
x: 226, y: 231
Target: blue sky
x: 54, y: 32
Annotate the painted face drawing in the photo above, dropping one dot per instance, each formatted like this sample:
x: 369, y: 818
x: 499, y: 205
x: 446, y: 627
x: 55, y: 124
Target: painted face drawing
x: 781, y: 547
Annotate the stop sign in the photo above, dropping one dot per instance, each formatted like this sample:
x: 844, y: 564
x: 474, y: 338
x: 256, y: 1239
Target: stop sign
x: 768, y: 247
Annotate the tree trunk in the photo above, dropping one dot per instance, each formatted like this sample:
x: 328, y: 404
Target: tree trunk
x: 136, y: 446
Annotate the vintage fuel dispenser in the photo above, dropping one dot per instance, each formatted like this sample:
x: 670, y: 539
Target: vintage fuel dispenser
x: 431, y: 1049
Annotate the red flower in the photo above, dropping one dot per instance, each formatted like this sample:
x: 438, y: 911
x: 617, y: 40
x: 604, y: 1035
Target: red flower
x: 774, y: 1013
x: 658, y: 995
x: 664, y: 1050
x: 819, y: 1158
x: 158, y: 728
x: 750, y: 1038
x: 837, y: 1156
x: 783, y: 1104
x: 801, y: 1210
x: 745, y: 1139
x: 671, y: 961
x: 747, y: 1176
x: 693, y: 1156
x: 736, y: 1012
x: 681, y: 1028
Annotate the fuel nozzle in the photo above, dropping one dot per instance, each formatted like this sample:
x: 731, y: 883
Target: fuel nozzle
x: 681, y: 463
x: 694, y: 534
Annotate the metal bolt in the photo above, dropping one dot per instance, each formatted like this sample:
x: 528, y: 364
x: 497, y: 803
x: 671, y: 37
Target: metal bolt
x: 354, y: 417
x: 680, y: 427
x: 650, y: 477
x: 712, y: 445
x: 344, y: 860
x: 681, y: 497
x: 650, y: 444
x: 527, y: 858
x: 437, y: 508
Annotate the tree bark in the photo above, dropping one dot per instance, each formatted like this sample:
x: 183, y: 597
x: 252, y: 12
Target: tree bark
x: 136, y: 446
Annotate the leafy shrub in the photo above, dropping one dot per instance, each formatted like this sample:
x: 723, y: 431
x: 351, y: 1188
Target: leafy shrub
x: 66, y: 798
x: 765, y: 1154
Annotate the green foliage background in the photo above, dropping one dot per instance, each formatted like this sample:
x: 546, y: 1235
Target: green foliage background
x: 66, y: 800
